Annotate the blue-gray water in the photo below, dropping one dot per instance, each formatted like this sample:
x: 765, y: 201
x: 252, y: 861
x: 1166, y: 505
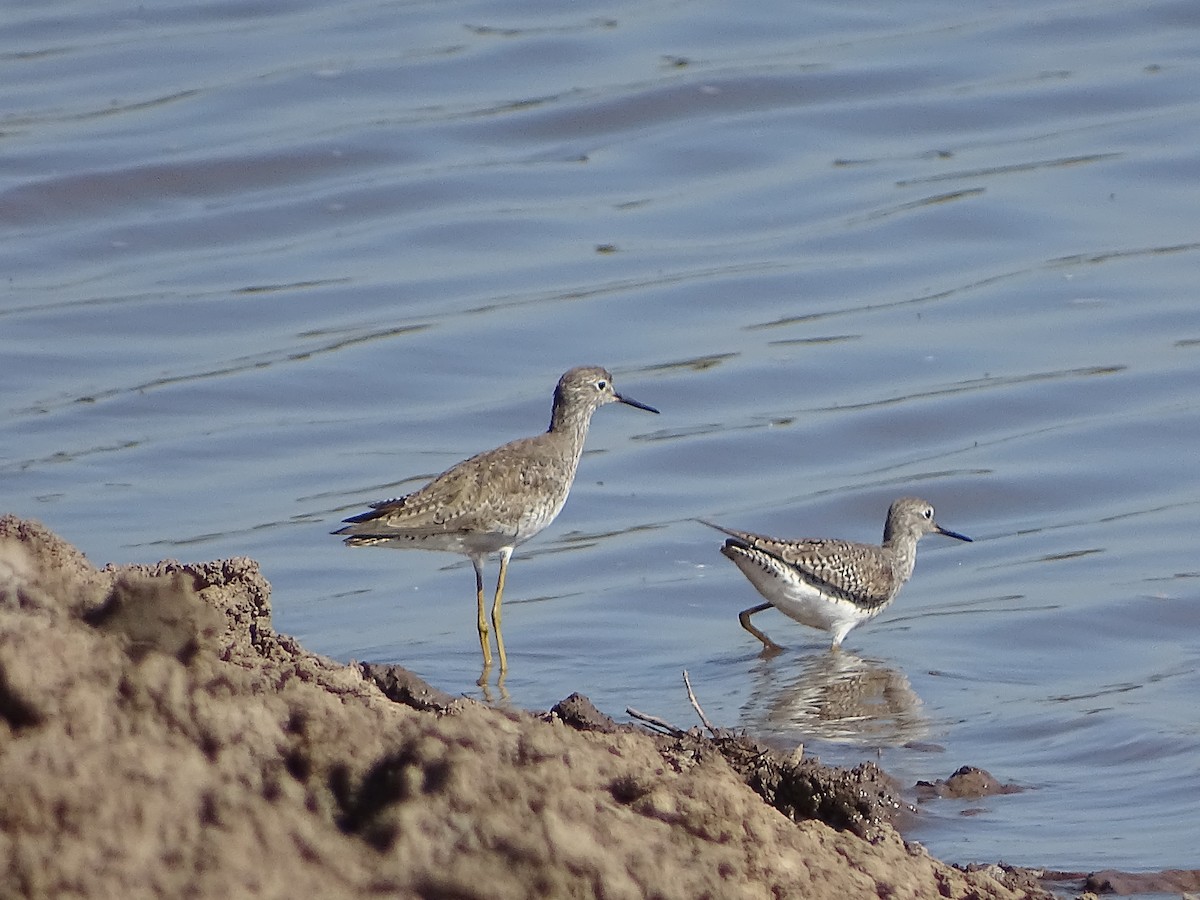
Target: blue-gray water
x: 265, y: 263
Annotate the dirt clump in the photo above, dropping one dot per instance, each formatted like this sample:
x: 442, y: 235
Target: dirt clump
x: 159, y: 739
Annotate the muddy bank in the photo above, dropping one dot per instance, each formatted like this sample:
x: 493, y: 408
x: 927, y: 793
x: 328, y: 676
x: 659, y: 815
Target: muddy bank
x: 159, y: 739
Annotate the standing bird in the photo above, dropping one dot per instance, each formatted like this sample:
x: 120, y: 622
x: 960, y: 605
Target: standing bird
x: 829, y: 584
x: 498, y: 499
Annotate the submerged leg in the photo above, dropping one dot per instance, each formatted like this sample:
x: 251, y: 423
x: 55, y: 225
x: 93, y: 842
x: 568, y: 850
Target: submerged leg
x: 770, y: 648
x: 477, y: 562
x: 840, y: 635
x: 505, y: 554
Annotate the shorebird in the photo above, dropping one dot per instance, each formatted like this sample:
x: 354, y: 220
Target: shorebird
x: 497, y: 500
x: 830, y: 584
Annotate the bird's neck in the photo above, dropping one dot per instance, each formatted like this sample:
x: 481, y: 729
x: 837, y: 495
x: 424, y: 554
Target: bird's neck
x: 903, y: 552
x: 570, y: 424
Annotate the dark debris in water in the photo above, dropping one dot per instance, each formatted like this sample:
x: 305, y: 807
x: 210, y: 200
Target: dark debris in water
x: 968, y: 783
x: 403, y: 686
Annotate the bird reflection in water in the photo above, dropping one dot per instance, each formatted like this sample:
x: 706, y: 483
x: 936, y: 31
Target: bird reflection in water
x: 835, y: 696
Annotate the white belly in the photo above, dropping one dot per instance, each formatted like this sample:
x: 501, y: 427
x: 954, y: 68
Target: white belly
x: 799, y: 600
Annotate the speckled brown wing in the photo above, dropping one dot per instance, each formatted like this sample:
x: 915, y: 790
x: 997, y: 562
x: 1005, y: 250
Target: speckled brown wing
x: 852, y: 571
x: 477, y: 493
x: 859, y: 572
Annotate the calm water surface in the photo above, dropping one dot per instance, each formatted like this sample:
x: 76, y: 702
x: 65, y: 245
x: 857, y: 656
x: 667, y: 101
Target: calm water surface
x: 267, y: 263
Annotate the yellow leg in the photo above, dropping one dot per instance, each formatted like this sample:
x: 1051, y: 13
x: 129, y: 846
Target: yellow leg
x: 483, y: 625
x: 770, y: 648
x: 505, y: 554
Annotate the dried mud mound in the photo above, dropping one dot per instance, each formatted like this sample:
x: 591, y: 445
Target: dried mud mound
x: 159, y: 739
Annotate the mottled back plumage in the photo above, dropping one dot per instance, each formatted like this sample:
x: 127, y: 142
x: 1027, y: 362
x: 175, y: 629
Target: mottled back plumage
x: 850, y: 571
x: 502, y: 496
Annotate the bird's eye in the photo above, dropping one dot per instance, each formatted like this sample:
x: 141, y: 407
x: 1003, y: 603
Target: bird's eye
x: 601, y: 384
x: 928, y: 512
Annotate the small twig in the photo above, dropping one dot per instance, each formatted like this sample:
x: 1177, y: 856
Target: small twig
x: 655, y: 721
x: 696, y: 704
